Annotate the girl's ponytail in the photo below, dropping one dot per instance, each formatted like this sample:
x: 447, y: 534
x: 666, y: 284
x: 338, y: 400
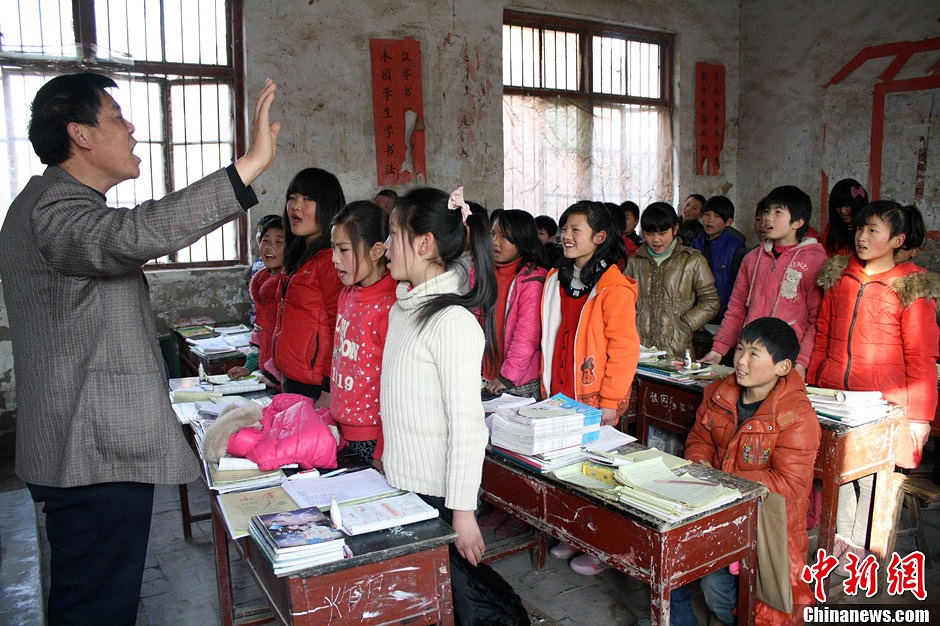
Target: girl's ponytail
x: 482, y: 294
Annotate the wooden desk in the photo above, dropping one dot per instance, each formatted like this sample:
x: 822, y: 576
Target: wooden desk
x: 661, y: 554
x: 845, y: 453
x: 220, y: 364
x: 401, y: 577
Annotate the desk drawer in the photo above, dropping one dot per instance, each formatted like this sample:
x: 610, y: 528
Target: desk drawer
x: 669, y: 404
x: 513, y: 487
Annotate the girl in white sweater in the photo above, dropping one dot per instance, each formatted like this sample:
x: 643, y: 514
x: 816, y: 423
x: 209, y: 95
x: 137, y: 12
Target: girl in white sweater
x: 432, y: 414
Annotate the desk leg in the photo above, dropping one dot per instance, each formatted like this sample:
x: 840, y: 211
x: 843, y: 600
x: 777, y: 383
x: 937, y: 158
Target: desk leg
x: 223, y: 570
x: 884, y: 502
x: 747, y: 579
x: 185, y: 513
x: 660, y: 590
x: 827, y: 515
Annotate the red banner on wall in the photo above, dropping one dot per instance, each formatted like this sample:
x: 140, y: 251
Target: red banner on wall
x: 709, y: 117
x: 398, y: 111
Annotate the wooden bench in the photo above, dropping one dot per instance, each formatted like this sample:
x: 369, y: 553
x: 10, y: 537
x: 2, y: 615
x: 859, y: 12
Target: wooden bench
x: 917, y: 490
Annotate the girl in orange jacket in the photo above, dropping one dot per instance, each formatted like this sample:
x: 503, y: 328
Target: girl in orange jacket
x: 590, y: 345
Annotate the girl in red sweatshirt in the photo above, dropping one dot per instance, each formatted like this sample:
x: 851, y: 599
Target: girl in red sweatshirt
x: 358, y: 236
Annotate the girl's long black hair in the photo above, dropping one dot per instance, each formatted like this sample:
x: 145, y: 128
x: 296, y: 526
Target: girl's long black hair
x: 366, y: 224
x: 519, y: 229
x: 324, y: 189
x: 424, y: 210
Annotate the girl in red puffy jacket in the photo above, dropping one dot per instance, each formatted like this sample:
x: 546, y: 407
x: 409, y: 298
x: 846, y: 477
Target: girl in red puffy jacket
x: 303, y: 337
x: 877, y: 330
x: 358, y: 234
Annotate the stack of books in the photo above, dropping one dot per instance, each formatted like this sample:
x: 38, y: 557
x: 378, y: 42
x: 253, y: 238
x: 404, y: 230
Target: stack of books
x: 297, y: 540
x: 666, y: 369
x: 848, y: 407
x: 551, y: 434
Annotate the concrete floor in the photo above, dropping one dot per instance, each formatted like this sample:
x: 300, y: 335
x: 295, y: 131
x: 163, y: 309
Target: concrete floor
x: 179, y: 580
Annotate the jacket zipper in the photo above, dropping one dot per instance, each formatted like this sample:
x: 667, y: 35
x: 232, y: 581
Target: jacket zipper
x: 591, y: 295
x: 848, y: 345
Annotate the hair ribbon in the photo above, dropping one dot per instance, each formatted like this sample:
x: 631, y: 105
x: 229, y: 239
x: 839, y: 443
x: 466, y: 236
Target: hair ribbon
x: 456, y: 201
x: 858, y: 192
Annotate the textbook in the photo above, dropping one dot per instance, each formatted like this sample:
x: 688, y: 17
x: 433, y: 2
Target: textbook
x: 367, y: 517
x: 239, y: 507
x: 298, y: 539
x: 848, y: 407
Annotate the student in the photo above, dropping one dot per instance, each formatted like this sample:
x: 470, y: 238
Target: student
x: 264, y: 290
x: 691, y: 225
x: 631, y: 213
x: 259, y: 228
x: 845, y: 200
x: 358, y: 236
x: 386, y: 199
x: 758, y: 424
x: 432, y: 415
x: 778, y: 278
x: 547, y: 229
x: 760, y: 212
x: 723, y: 251
x: 590, y: 345
x: 303, y: 336
x: 620, y: 222
x: 877, y: 330
x: 676, y: 290
x: 520, y: 276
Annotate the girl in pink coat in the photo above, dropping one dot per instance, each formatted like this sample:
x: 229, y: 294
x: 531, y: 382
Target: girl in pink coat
x: 520, y: 275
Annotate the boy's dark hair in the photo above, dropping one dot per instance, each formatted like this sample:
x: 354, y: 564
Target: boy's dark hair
x: 847, y: 192
x: 546, y: 223
x: 62, y: 100
x: 323, y: 188
x: 720, y: 206
x: 388, y: 193
x: 890, y: 212
x: 775, y: 335
x: 697, y: 196
x: 264, y: 219
x: 272, y: 221
x: 632, y: 208
x: 796, y: 202
x: 916, y: 229
x: 519, y: 229
x: 619, y: 217
x: 658, y: 217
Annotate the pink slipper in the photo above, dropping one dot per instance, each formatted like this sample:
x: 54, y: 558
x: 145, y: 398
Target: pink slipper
x: 587, y: 565
x: 563, y: 550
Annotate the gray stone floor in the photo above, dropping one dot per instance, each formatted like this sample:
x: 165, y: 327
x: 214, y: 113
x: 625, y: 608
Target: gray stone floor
x: 179, y: 580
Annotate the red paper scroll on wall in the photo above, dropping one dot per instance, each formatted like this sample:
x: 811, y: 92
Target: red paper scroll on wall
x: 709, y: 116
x: 398, y: 111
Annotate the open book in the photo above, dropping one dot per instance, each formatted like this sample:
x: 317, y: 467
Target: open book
x: 367, y: 517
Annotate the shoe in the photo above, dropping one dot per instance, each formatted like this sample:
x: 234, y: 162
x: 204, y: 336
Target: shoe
x: 587, y: 565
x: 563, y: 550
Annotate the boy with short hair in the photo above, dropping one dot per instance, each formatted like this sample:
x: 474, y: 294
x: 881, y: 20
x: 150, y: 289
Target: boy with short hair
x: 690, y: 227
x: 631, y: 212
x: 721, y: 248
x: 777, y: 278
x: 758, y: 424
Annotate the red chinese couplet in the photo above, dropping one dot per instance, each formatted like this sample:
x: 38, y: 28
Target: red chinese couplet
x: 709, y: 116
x: 398, y: 111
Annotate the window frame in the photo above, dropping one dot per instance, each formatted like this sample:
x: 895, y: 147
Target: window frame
x: 585, y: 30
x: 232, y: 73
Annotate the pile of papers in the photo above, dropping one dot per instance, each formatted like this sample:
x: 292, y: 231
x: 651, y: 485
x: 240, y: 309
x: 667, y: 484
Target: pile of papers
x: 211, y: 346
x: 608, y: 438
x: 345, y: 488
x: 848, y: 407
x: 297, y: 540
x: 666, y: 369
x: 553, y: 425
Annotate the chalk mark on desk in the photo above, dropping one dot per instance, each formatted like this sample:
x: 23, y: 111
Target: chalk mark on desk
x: 342, y: 600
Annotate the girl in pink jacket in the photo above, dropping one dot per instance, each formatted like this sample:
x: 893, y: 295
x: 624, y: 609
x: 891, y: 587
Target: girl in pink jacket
x: 520, y: 275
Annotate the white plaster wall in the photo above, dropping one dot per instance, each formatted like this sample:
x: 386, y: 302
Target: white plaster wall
x: 789, y: 50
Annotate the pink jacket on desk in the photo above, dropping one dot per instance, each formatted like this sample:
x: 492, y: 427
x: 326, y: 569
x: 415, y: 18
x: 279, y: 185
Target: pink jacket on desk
x: 292, y: 431
x: 523, y: 332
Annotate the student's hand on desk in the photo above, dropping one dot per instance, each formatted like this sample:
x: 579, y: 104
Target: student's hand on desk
x: 238, y: 372
x: 919, y: 433
x: 712, y: 358
x: 801, y: 370
x: 495, y: 386
x: 609, y: 417
x: 469, y: 538
x: 264, y: 133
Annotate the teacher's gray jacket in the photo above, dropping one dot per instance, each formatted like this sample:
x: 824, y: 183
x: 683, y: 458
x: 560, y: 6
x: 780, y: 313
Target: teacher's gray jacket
x: 92, y: 401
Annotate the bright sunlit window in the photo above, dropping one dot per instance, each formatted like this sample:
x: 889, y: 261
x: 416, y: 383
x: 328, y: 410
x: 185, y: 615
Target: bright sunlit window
x: 586, y: 113
x: 177, y: 66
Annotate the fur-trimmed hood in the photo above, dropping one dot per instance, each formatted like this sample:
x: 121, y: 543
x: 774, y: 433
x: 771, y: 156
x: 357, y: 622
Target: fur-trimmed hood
x: 907, y: 280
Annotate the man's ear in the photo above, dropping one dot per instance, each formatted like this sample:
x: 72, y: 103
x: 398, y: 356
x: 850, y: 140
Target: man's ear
x: 782, y: 368
x: 78, y: 134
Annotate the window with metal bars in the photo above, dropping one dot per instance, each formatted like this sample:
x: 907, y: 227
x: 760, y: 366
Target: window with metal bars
x: 178, y: 66
x: 586, y: 113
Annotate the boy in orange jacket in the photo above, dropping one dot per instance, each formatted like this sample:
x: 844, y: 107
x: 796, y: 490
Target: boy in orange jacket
x: 758, y: 424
